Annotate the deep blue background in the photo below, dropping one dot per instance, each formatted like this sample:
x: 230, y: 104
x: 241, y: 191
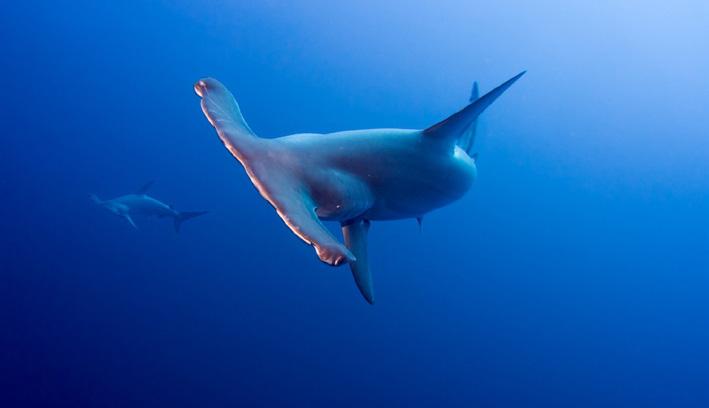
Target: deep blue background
x: 575, y: 273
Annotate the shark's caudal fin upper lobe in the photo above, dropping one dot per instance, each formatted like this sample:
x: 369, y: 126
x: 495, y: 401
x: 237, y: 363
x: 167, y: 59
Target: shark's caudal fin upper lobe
x: 475, y: 92
x: 467, y: 139
x: 184, y: 216
x: 452, y: 128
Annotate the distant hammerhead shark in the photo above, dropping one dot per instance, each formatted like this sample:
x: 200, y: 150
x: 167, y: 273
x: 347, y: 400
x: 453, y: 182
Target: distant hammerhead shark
x: 353, y: 177
x: 140, y: 203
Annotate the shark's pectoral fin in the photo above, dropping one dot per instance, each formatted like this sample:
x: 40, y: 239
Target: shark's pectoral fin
x: 355, y: 234
x: 130, y: 220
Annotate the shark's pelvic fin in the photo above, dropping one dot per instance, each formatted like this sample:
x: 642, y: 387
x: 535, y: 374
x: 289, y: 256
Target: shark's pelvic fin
x: 145, y: 187
x: 222, y: 111
x: 355, y: 234
x: 450, y: 129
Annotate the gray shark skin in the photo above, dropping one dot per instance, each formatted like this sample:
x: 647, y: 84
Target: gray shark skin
x: 353, y: 177
x: 139, y: 203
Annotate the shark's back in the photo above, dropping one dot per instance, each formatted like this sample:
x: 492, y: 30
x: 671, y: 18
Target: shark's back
x: 375, y: 136
x: 144, y: 204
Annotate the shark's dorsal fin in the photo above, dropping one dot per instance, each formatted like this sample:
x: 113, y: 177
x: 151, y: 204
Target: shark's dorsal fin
x: 355, y: 234
x: 145, y: 187
x: 451, y: 128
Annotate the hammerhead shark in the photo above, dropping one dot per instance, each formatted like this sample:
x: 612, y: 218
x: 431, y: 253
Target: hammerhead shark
x: 140, y: 203
x: 353, y: 177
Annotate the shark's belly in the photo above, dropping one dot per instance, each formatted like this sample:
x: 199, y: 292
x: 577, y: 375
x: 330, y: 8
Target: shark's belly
x: 382, y: 177
x: 394, y: 186
x: 340, y: 196
x: 422, y: 188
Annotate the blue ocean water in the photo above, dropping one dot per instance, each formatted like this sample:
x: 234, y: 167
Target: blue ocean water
x: 574, y: 274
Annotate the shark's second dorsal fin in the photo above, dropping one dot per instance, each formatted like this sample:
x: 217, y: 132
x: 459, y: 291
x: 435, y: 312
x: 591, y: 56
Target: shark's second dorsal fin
x: 451, y: 128
x: 145, y: 187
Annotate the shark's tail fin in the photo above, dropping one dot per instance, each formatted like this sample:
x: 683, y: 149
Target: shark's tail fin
x: 222, y: 111
x: 95, y: 199
x: 467, y: 140
x: 184, y: 216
